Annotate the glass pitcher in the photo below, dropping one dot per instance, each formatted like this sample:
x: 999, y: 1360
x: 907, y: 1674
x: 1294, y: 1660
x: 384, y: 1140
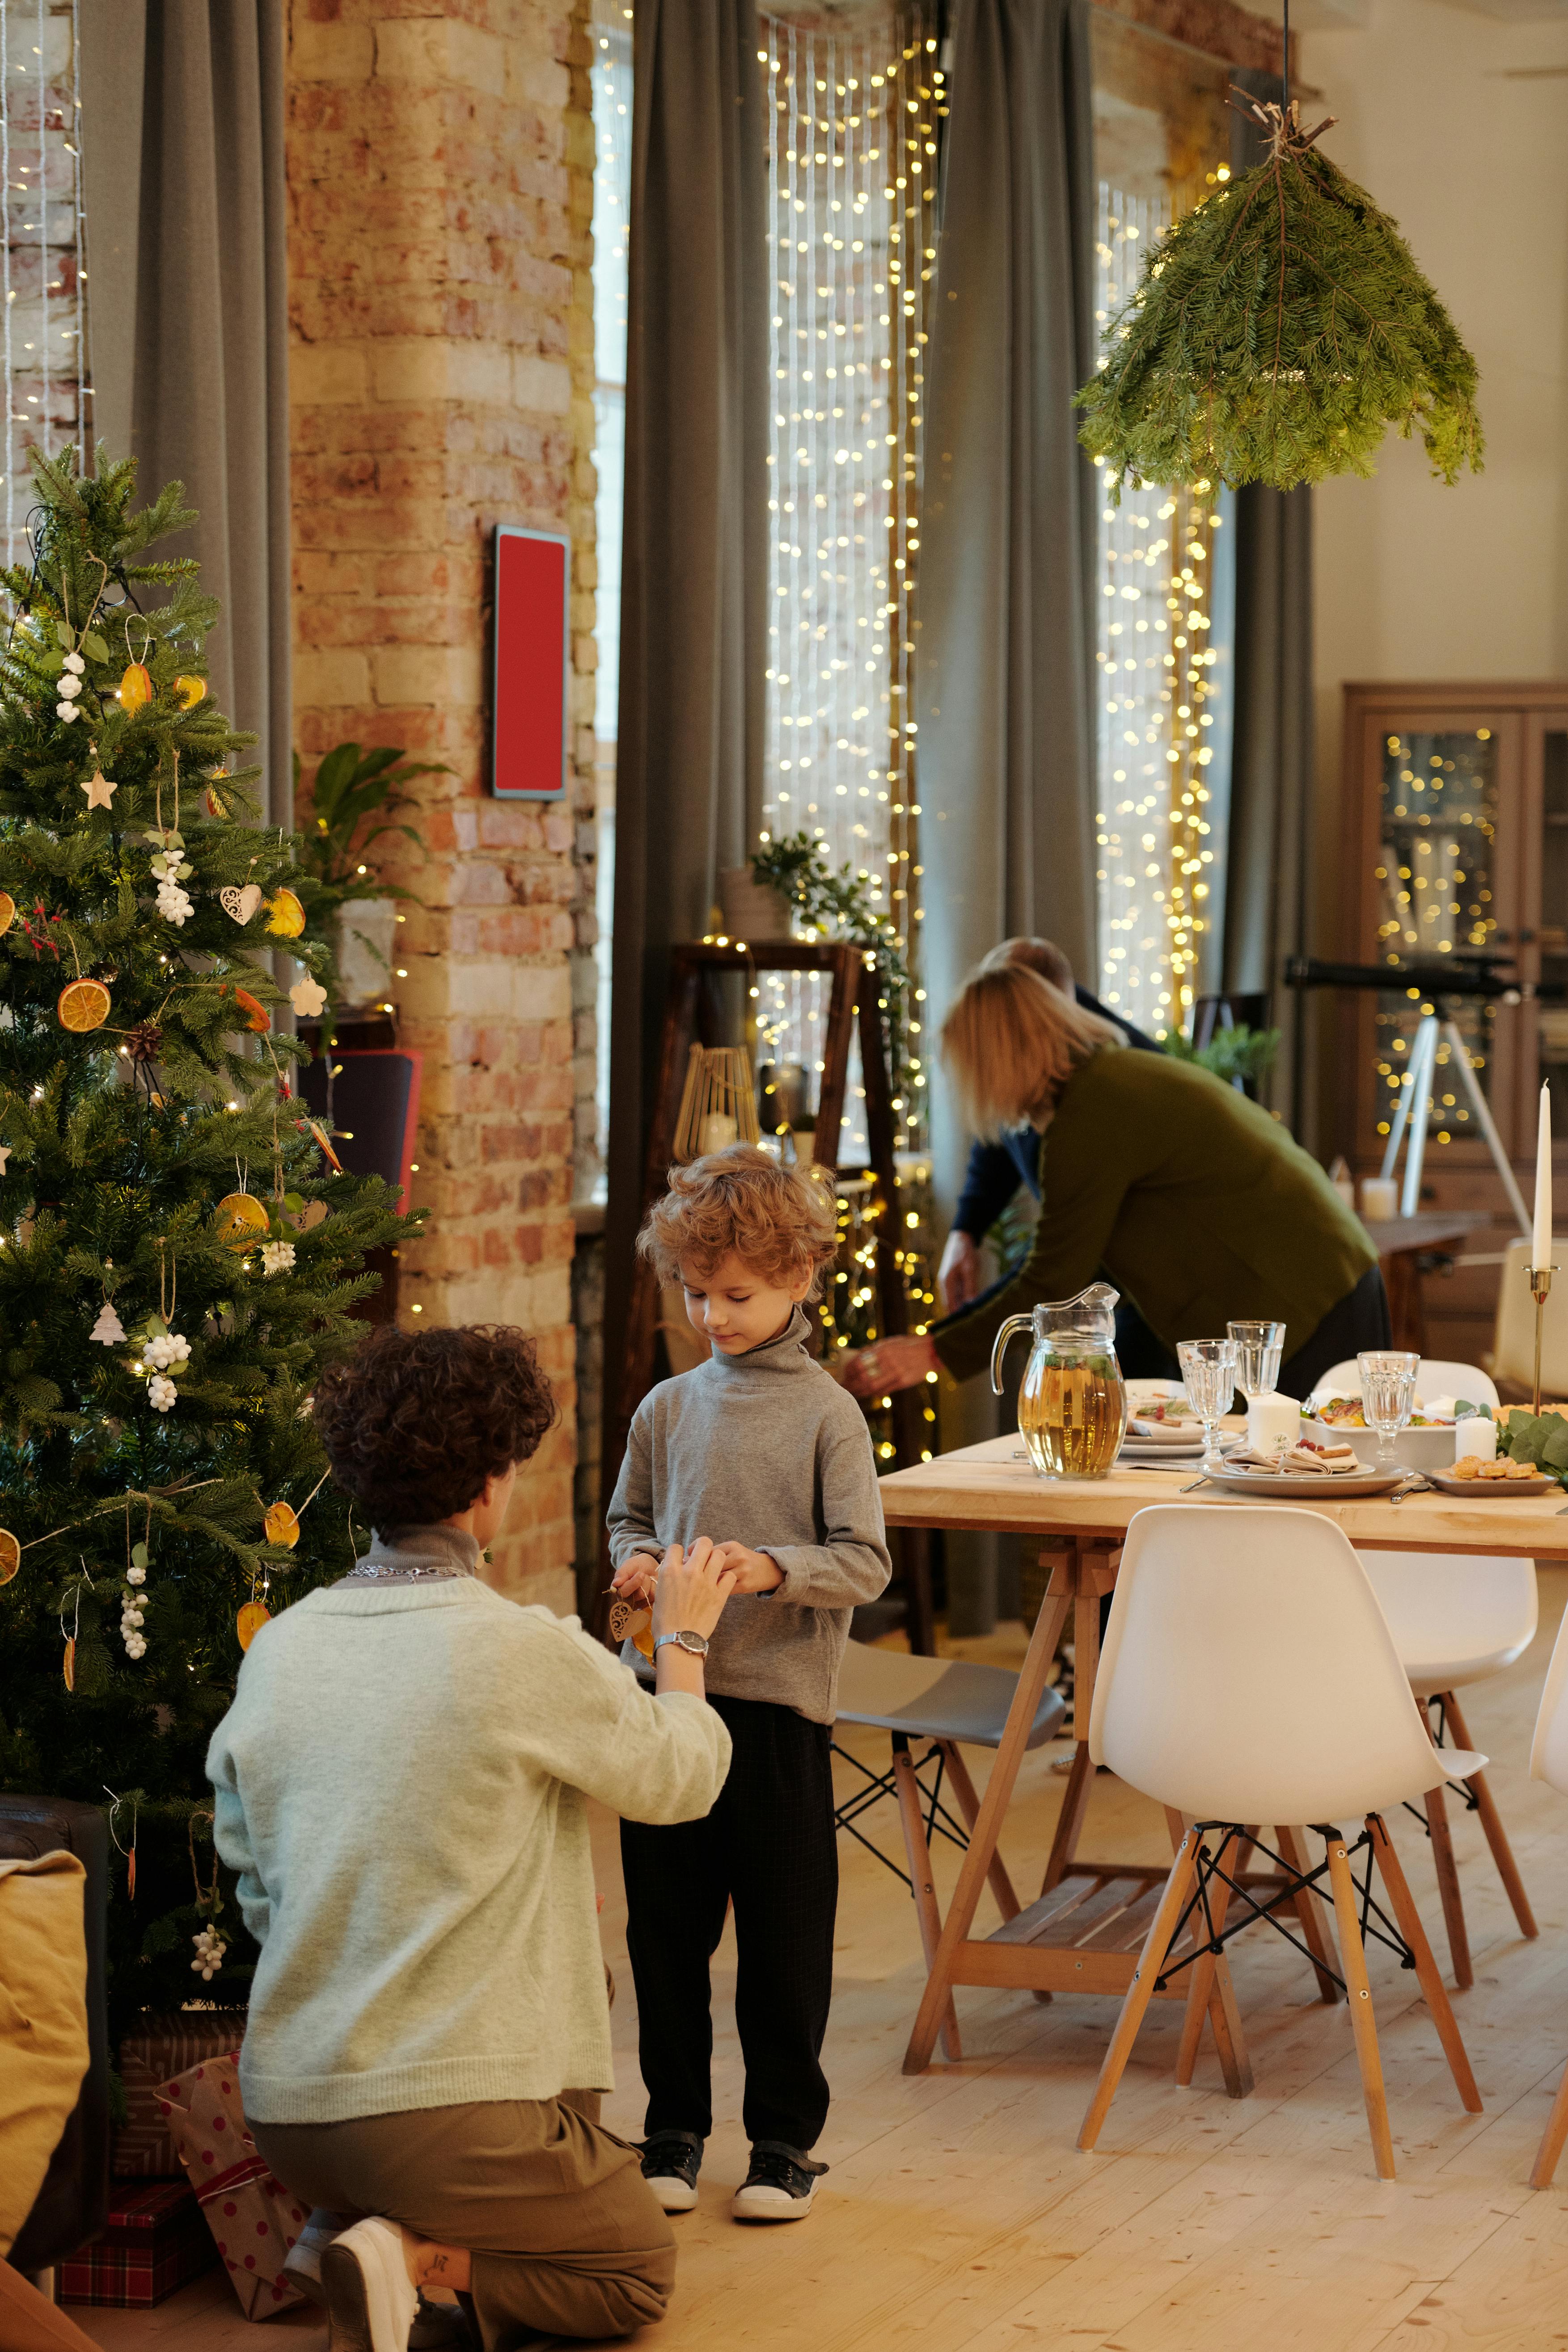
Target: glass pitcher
x: 1072, y: 1407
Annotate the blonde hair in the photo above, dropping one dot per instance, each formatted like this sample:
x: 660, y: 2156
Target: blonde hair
x: 1011, y: 1041
x: 780, y: 1223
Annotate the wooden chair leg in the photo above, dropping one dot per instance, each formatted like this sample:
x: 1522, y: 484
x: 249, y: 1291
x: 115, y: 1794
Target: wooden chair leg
x: 1362, y: 2024
x: 1069, y: 1821
x: 1311, y: 1920
x: 1141, y: 1991
x: 1448, y: 1888
x: 1211, y: 1996
x: 1551, y: 2139
x: 927, y: 1910
x: 1491, y: 1822
x: 1000, y: 1883
x: 1427, y: 1974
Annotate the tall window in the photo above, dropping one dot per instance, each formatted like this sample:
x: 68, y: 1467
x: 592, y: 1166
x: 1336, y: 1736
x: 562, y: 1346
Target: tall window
x: 44, y: 289
x: 611, y: 75
x: 1165, y: 607
x: 854, y: 116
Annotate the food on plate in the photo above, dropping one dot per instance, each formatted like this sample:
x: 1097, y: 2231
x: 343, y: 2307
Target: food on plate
x: 1471, y: 1465
x: 1317, y: 1461
x: 1345, y: 1412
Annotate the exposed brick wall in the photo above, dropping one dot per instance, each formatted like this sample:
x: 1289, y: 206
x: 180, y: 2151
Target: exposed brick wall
x: 441, y: 157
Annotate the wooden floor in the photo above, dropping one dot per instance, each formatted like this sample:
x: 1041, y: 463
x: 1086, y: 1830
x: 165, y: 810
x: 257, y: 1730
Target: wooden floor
x: 957, y: 2216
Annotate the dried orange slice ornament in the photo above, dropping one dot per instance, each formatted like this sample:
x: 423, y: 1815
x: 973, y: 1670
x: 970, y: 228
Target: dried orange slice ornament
x: 286, y: 915
x: 281, y: 1525
x: 136, y: 686
x: 256, y: 1016
x: 242, y: 1219
x: 7, y: 911
x: 250, y: 1621
x: 189, y: 691
x: 10, y: 1554
x: 83, y: 1004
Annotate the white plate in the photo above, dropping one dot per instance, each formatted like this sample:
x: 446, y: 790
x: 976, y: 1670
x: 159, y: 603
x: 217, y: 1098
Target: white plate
x: 1299, y: 1485
x: 1448, y: 1485
x: 1143, y: 1449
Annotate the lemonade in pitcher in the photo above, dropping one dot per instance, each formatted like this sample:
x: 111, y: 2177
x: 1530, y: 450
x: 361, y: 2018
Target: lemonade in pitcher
x: 1072, y: 1406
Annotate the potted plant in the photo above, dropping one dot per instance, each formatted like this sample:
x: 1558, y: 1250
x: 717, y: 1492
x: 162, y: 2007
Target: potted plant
x: 351, y: 809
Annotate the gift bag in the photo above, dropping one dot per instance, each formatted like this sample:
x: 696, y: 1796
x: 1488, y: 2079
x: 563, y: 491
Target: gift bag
x: 158, y: 2047
x: 254, y: 2220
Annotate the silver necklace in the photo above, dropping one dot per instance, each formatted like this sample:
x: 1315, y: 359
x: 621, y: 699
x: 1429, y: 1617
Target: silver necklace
x: 375, y: 1571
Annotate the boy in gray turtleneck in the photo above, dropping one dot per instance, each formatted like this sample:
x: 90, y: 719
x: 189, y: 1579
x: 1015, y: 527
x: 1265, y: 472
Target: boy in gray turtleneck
x: 761, y: 1452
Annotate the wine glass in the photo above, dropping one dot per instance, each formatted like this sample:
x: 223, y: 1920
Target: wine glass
x: 1387, y: 1395
x: 1261, y: 1346
x: 1208, y: 1375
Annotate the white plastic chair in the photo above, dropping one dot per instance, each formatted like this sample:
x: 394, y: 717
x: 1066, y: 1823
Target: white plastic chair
x: 1456, y: 1620
x: 1548, y: 1762
x: 1249, y: 1675
x: 1435, y: 1377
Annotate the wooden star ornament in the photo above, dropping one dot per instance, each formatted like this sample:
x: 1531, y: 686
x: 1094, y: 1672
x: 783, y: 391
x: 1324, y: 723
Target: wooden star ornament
x: 99, y: 789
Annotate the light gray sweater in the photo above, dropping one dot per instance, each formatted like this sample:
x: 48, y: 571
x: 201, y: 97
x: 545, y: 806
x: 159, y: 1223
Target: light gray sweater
x: 401, y: 1784
x: 765, y: 1450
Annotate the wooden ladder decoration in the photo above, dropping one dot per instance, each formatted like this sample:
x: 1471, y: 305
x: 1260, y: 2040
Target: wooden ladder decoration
x: 852, y: 1003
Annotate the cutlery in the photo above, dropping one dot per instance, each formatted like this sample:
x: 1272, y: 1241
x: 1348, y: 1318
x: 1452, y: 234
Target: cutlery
x: 1195, y: 1483
x: 1416, y: 1485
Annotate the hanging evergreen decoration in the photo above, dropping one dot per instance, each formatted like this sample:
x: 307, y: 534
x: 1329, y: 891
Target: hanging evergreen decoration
x: 1276, y: 332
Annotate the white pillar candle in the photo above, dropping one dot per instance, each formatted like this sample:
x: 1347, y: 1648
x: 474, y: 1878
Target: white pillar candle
x: 1272, y: 1421
x: 1474, y: 1435
x: 1540, y: 1245
x: 1379, y: 1198
x: 719, y: 1132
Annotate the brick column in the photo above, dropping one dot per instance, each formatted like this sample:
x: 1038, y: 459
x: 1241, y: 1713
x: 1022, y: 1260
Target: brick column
x: 440, y: 169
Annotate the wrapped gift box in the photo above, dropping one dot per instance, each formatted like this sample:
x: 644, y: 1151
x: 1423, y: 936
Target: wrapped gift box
x: 253, y: 2218
x: 154, y: 2243
x: 164, y: 2044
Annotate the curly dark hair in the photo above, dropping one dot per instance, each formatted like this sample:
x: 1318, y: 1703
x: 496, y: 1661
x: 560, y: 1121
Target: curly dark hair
x: 415, y: 1421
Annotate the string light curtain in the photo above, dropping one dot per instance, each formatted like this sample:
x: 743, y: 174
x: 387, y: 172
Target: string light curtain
x: 44, y: 282
x: 854, y: 109
x: 1165, y: 599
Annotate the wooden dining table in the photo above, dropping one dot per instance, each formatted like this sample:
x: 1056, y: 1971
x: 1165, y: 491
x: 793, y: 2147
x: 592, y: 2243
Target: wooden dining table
x: 1086, y: 1930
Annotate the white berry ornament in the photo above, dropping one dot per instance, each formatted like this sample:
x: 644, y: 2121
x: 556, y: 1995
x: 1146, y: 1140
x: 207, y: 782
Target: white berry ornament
x: 164, y: 1348
x: 161, y: 1393
x: 210, y: 1949
x: 276, y: 1258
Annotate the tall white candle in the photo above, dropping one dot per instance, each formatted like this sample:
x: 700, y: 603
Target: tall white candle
x: 1541, y: 1248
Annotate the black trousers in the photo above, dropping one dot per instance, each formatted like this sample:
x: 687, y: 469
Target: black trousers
x: 770, y: 1847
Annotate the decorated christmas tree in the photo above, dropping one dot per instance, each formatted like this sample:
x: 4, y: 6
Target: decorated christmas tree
x: 179, y: 1251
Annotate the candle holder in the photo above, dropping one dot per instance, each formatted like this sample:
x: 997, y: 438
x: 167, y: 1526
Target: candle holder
x: 1539, y: 1290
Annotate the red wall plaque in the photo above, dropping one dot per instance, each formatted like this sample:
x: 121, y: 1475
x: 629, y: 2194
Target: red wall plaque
x: 532, y: 663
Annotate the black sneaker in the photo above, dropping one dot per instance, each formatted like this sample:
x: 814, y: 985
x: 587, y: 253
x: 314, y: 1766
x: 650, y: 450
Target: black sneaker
x: 670, y: 2163
x: 780, y: 2185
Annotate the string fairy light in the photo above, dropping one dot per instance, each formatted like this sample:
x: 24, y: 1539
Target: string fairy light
x: 42, y: 280
x: 1162, y: 658
x: 853, y: 120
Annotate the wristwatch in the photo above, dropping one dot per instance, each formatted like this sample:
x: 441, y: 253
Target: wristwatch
x: 696, y: 1642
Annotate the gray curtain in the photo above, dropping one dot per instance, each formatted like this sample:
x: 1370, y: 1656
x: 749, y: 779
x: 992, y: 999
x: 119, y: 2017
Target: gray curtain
x: 183, y: 160
x: 1006, y: 733
x: 1269, y: 858
x: 694, y: 556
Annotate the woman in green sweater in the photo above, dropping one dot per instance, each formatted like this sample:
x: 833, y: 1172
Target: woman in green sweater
x: 1195, y: 1202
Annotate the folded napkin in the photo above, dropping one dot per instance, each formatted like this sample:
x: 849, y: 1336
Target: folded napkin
x: 1329, y: 1461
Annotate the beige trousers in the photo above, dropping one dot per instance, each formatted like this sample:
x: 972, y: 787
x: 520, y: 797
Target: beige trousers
x: 566, y: 2236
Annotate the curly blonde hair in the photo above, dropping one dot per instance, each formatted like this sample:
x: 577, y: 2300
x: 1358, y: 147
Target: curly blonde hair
x: 778, y: 1221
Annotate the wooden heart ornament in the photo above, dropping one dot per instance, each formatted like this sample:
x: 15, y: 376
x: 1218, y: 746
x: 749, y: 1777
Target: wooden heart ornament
x: 241, y: 902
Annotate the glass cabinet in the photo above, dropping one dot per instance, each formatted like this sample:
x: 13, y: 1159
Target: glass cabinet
x: 1455, y: 847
